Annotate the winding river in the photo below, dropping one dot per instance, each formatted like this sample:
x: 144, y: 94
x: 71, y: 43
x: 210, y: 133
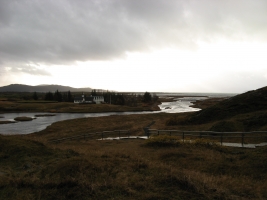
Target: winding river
x: 40, y: 123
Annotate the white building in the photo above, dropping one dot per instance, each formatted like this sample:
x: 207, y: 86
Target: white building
x: 91, y: 99
x: 98, y: 99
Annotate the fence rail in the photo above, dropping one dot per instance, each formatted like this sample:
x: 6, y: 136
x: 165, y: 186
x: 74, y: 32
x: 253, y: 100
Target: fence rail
x: 96, y: 135
x: 242, y: 137
x: 221, y: 137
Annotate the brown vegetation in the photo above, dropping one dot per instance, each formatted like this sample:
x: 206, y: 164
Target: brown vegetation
x: 129, y: 169
x: 207, y: 102
x: 12, y: 106
x: 244, y: 112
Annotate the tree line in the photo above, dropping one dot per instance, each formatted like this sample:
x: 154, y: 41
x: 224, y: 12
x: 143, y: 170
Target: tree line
x: 109, y: 97
x: 129, y: 99
x: 56, y: 96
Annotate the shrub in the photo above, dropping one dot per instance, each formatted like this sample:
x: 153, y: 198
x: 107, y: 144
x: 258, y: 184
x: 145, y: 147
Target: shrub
x: 204, y: 142
x: 163, y: 141
x: 172, y: 121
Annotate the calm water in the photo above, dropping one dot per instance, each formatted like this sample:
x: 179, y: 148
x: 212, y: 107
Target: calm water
x: 40, y: 123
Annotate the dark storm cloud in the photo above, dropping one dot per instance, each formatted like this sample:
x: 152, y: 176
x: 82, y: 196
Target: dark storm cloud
x: 65, y: 31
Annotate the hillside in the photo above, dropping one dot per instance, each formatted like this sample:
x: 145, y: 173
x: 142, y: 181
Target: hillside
x: 41, y: 88
x: 248, y: 102
x: 244, y: 112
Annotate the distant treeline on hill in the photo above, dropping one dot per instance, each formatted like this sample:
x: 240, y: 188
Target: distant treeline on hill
x: 57, y: 96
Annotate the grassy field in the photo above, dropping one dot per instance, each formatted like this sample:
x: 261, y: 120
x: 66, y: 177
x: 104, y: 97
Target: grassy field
x: 32, y: 167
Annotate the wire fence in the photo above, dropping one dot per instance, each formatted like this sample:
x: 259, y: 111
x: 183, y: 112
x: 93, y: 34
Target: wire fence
x: 242, y: 138
x: 221, y: 137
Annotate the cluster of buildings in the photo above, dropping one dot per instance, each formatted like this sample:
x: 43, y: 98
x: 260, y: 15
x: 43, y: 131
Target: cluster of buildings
x: 90, y: 99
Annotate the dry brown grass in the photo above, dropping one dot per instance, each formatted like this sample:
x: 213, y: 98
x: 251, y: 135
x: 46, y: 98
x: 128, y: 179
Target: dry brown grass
x: 126, y: 169
x: 13, y: 106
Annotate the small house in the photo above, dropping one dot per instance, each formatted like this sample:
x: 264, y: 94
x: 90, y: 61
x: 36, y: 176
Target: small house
x: 90, y: 99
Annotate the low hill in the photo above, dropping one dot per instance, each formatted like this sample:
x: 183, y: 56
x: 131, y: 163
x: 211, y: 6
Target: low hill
x: 248, y: 102
x: 41, y: 88
x: 244, y: 112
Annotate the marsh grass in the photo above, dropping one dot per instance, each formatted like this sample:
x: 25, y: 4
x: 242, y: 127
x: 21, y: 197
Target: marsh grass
x: 129, y: 169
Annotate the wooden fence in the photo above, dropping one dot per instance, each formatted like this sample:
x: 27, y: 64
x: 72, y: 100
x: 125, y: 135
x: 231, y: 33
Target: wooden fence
x: 237, y: 137
x: 96, y: 135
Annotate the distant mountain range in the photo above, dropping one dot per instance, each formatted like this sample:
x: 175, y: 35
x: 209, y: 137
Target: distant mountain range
x: 41, y: 88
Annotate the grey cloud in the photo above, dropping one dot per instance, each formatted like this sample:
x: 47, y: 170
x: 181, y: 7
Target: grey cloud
x: 27, y: 69
x: 32, y: 71
x: 64, y: 31
x: 237, y: 82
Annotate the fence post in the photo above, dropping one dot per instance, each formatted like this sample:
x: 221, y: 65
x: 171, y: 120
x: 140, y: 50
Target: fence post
x: 146, y: 129
x: 158, y: 132
x: 102, y: 135
x: 183, y: 137
x: 119, y: 134
x: 221, y: 139
x: 242, y: 139
x: 200, y: 135
x: 170, y: 133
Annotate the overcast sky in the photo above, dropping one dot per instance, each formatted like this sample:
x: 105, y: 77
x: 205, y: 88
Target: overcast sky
x: 135, y: 45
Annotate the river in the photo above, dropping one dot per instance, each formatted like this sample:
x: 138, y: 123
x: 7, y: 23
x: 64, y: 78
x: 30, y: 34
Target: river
x: 40, y: 123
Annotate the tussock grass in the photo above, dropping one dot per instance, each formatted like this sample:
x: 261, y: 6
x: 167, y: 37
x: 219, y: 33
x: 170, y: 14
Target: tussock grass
x: 129, y: 169
x: 163, y: 141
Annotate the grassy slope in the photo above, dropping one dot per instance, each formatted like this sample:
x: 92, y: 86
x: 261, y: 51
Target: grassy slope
x: 244, y: 112
x: 248, y: 102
